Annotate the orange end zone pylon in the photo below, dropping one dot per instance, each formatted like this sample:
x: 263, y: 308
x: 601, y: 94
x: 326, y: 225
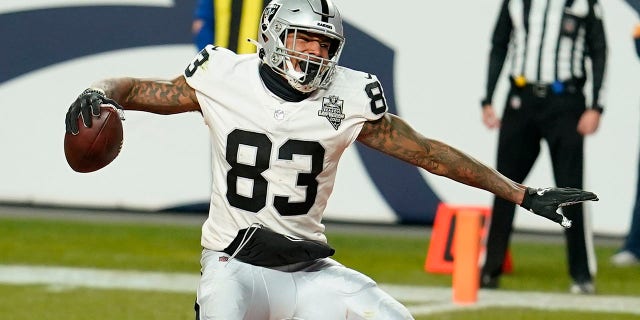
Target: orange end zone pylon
x: 440, y: 255
x: 466, y: 272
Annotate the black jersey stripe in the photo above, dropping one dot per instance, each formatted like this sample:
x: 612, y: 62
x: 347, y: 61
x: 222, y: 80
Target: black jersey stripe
x: 535, y: 57
x: 525, y: 13
x: 550, y: 41
x: 542, y: 41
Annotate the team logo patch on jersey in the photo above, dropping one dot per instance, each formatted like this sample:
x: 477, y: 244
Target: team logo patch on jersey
x: 332, y: 110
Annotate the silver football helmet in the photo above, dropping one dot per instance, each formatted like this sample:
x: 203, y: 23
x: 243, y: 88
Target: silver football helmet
x: 281, y: 18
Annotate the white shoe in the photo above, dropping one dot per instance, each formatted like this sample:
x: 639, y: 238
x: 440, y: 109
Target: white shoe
x: 624, y: 259
x: 582, y: 288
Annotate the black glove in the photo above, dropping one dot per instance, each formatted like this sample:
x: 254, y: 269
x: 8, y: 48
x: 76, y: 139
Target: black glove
x: 87, y: 104
x: 546, y: 202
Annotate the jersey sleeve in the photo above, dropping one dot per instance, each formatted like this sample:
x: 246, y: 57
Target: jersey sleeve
x: 205, y: 74
x: 377, y: 103
x: 208, y: 63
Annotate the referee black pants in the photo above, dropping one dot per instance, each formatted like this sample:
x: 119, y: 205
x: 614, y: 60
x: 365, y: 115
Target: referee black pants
x: 533, y: 114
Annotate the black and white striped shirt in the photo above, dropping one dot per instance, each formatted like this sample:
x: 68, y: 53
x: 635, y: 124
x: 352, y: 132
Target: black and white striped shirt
x: 549, y: 41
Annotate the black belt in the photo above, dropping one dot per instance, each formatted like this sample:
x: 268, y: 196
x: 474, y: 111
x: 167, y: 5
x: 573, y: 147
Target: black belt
x: 540, y: 90
x: 543, y: 89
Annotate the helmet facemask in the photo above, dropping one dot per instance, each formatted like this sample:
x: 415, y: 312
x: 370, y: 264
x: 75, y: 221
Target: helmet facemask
x: 313, y: 71
x: 291, y: 18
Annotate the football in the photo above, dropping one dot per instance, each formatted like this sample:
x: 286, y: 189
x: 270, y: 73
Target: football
x: 94, y: 148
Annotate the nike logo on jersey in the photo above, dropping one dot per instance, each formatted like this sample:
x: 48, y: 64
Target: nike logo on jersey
x: 332, y: 110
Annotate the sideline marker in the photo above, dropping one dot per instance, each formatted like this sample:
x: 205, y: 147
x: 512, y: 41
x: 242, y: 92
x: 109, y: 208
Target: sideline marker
x: 466, y: 272
x: 440, y: 255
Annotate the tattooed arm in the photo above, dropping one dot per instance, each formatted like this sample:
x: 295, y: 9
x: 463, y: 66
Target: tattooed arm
x: 156, y: 96
x: 393, y: 136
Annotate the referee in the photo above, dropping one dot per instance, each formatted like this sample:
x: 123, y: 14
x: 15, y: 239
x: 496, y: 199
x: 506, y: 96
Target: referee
x: 554, y: 47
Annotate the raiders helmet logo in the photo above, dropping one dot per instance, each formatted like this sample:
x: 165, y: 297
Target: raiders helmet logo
x: 267, y: 16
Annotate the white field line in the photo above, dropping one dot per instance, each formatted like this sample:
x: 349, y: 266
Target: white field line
x: 431, y: 300
x: 420, y: 300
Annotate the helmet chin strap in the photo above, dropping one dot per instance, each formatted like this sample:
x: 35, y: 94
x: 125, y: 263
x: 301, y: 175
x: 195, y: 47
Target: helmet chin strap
x: 291, y: 70
x: 302, y: 78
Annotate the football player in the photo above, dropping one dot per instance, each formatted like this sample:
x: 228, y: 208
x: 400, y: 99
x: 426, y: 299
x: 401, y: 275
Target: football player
x: 279, y: 121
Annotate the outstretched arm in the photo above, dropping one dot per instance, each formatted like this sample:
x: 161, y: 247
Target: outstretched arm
x: 396, y: 138
x: 156, y: 96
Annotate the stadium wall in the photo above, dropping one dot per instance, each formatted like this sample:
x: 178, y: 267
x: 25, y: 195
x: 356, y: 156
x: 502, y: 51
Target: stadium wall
x: 425, y: 54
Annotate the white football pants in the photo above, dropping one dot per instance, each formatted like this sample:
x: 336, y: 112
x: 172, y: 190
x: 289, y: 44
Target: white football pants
x: 319, y: 290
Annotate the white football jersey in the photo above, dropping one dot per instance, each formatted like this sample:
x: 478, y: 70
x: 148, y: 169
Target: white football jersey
x: 274, y: 162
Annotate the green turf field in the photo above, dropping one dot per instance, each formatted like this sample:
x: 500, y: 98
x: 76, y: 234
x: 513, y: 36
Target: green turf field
x: 393, y: 259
